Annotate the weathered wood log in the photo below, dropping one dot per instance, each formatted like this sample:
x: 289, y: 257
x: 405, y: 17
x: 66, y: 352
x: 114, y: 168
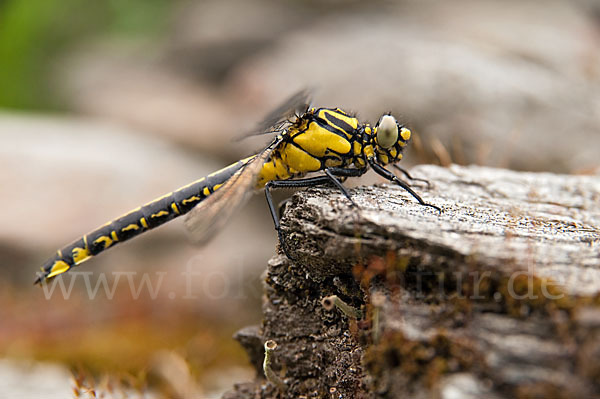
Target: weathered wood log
x: 498, y: 296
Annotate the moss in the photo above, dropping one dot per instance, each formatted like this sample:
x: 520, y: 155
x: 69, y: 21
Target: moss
x: 540, y: 391
x: 462, y: 282
x: 421, y: 362
x: 447, y: 282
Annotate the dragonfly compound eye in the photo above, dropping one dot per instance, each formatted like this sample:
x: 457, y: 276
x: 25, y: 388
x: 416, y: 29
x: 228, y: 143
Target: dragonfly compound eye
x: 387, y: 131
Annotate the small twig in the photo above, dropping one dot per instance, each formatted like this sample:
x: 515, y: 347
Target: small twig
x: 377, y: 300
x: 441, y: 152
x: 330, y: 301
x: 271, y: 376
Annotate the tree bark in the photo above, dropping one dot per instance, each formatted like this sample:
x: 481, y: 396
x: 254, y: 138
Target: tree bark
x: 497, y: 296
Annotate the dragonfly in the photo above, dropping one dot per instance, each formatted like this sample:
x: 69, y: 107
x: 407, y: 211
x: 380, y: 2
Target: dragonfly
x: 327, y: 144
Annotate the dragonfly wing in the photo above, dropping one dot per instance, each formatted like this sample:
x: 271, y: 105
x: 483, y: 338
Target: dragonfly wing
x: 210, y: 215
x: 277, y: 119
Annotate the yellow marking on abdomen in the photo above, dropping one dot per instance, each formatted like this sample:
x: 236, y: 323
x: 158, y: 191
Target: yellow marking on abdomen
x: 159, y: 214
x: 175, y: 209
x: 59, y: 267
x: 206, y: 191
x: 80, y: 254
x: 104, y: 239
x: 190, y: 200
x: 132, y: 226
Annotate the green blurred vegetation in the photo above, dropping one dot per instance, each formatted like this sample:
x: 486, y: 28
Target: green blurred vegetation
x: 34, y: 34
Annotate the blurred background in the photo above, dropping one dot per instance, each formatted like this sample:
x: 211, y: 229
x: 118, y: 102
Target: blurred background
x: 107, y: 105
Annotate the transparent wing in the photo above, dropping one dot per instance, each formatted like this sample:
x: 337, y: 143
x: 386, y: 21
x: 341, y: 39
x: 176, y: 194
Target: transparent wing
x: 281, y: 117
x: 210, y: 215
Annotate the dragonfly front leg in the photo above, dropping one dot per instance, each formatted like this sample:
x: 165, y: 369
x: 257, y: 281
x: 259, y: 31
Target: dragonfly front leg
x: 383, y: 172
x: 405, y: 173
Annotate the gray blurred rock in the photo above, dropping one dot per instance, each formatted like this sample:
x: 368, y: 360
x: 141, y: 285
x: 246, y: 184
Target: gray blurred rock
x: 504, y: 84
x: 62, y: 177
x: 35, y: 380
x: 510, y: 84
x: 211, y: 37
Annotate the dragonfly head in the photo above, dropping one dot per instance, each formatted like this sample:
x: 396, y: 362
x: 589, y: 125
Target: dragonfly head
x: 390, y: 138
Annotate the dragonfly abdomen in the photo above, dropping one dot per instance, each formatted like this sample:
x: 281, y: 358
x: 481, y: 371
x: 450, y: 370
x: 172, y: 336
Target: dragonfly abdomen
x: 137, y: 221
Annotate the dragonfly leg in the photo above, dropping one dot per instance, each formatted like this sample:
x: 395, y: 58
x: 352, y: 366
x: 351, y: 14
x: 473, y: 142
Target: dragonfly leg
x: 344, y: 173
x: 383, y: 172
x: 405, y: 173
x: 336, y: 182
x: 329, y: 177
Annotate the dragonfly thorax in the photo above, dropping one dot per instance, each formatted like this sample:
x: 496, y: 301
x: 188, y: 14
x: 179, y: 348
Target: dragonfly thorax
x: 318, y: 139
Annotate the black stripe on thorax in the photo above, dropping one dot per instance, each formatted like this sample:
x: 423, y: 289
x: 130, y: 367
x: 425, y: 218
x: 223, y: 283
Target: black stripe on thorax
x: 334, y: 126
x: 339, y: 123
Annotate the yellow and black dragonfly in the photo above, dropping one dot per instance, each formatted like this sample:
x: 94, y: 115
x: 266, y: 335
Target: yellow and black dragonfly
x: 307, y: 140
